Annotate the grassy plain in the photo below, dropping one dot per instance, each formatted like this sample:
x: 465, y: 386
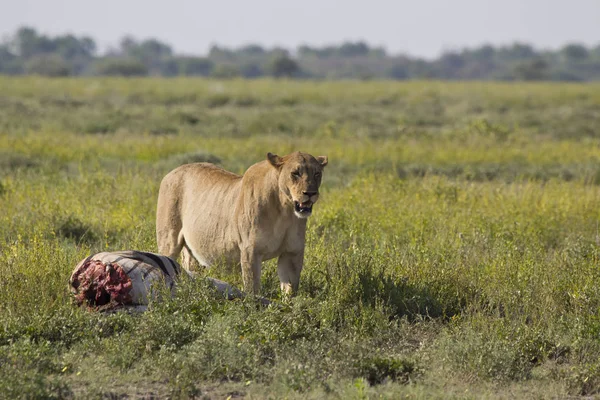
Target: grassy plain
x: 454, y: 253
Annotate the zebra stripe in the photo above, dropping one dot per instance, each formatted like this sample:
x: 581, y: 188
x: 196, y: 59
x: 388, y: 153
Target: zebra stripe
x: 158, y: 261
x: 167, y: 266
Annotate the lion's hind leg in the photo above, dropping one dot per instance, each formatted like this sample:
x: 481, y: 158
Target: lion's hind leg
x: 188, y: 261
x: 170, y: 242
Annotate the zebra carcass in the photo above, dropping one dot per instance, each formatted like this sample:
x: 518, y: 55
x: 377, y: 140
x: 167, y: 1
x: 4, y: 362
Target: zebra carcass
x: 126, y: 279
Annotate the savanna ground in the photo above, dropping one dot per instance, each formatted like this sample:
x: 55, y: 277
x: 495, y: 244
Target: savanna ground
x: 454, y: 251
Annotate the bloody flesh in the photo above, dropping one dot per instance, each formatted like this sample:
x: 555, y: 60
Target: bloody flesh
x: 97, y: 284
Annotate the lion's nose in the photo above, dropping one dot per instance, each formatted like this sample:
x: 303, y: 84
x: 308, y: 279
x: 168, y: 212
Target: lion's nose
x: 310, y: 194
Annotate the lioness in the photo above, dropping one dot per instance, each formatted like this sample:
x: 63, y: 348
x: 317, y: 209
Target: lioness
x: 210, y: 215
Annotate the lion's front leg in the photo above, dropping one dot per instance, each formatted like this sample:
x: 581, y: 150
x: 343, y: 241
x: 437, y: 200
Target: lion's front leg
x: 251, y: 269
x: 289, y: 267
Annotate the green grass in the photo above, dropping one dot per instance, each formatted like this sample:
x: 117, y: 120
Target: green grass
x: 454, y: 252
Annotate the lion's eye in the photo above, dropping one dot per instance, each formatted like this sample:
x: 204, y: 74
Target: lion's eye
x: 296, y: 174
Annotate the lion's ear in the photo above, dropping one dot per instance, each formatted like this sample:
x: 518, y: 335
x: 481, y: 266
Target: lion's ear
x: 322, y: 160
x: 275, y: 160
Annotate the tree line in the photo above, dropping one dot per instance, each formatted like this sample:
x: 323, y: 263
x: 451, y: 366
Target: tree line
x: 30, y: 52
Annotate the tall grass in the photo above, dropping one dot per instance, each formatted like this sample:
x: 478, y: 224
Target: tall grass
x: 454, y: 250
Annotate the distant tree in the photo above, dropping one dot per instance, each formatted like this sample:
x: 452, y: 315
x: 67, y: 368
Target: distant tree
x: 421, y: 69
x: 326, y: 52
x: 278, y: 52
x: 127, y: 44
x: 452, y: 61
x: 322, y: 52
x: 120, y: 67
x: 477, y: 69
x: 534, y: 70
x: 251, y: 70
x: 399, y: 71
x: 565, y: 76
x: 70, y: 47
x: 350, y: 49
x: 575, y: 52
x: 220, y: 54
x: 378, y: 52
x: 195, y: 66
x: 168, y: 66
x: 552, y: 57
x: 483, y: 53
x: 152, y: 48
x: 518, y: 51
x: 28, y: 51
x: 65, y: 54
x: 153, y: 53
x: 283, y: 66
x: 306, y: 51
x: 359, y: 71
x: 6, y: 54
x: 26, y: 41
x: 9, y: 62
x: 225, y: 71
x: 47, y: 65
x: 156, y: 56
x: 251, y: 50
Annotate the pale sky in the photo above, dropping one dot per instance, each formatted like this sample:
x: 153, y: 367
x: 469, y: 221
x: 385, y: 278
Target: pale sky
x: 416, y: 27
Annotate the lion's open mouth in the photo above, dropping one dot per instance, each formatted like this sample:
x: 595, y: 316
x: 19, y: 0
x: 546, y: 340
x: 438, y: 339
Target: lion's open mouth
x: 303, y: 209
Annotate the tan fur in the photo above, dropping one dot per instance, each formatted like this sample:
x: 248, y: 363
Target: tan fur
x: 211, y: 215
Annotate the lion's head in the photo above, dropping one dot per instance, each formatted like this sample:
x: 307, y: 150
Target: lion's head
x: 299, y: 179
